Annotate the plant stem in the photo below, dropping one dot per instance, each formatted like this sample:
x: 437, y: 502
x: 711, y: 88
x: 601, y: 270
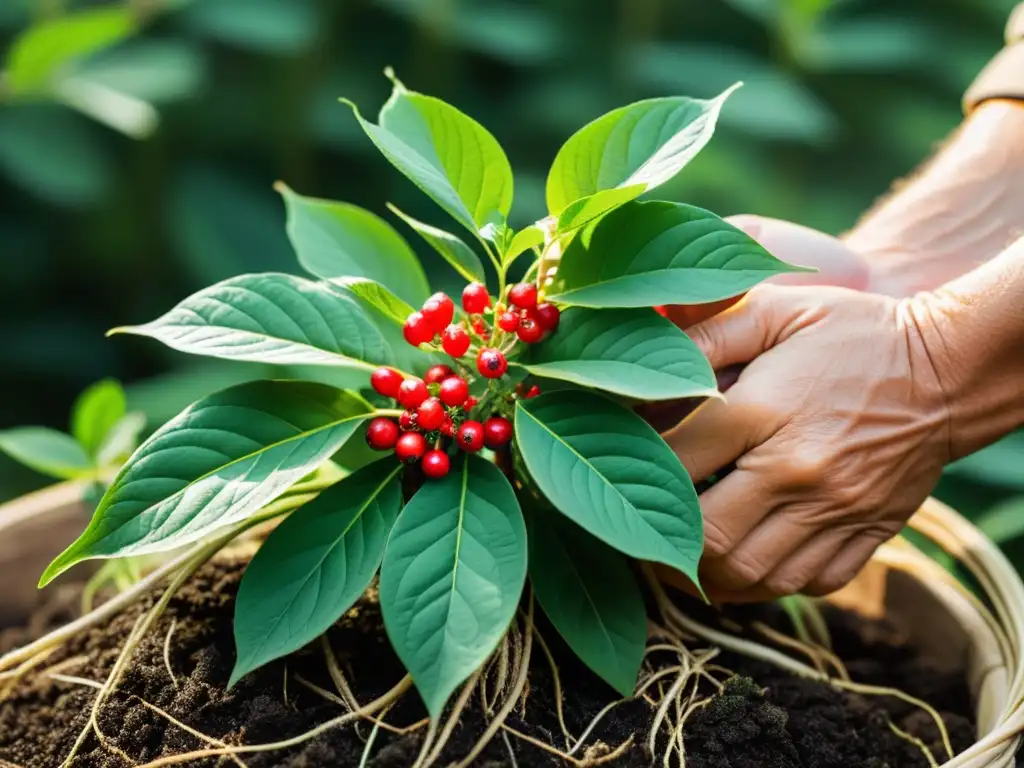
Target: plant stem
x: 394, y: 412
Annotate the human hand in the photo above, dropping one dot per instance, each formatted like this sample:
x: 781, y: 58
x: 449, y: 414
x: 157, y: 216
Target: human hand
x: 837, y: 265
x: 838, y: 428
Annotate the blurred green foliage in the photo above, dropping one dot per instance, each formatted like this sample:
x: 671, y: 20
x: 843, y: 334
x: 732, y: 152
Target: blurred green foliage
x: 142, y: 169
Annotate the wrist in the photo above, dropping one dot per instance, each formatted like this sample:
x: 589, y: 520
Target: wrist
x: 968, y: 336
x: 963, y: 208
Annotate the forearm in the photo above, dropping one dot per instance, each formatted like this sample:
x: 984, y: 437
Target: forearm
x: 962, y: 209
x: 973, y: 331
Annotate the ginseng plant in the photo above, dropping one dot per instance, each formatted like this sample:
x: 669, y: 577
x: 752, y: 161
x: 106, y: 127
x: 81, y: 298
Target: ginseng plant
x: 509, y: 448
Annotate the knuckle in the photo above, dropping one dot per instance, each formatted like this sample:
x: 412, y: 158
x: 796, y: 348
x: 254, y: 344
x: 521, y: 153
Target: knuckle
x: 806, y: 468
x: 786, y: 584
x: 830, y: 581
x: 742, y: 571
x: 716, y: 541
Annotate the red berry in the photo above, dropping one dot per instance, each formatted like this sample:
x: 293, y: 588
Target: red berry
x: 439, y: 311
x: 470, y: 436
x: 407, y: 421
x: 437, y: 373
x: 470, y: 403
x: 411, y: 393
x: 523, y: 295
x: 417, y: 329
x: 547, y: 316
x: 508, y: 321
x: 410, y: 447
x: 447, y: 427
x: 454, y: 391
x: 479, y: 326
x: 661, y: 310
x: 430, y: 414
x: 491, y: 363
x: 436, y: 464
x: 386, y: 382
x: 382, y: 434
x: 475, y: 298
x: 497, y: 431
x: 532, y: 392
x: 455, y: 340
x: 529, y: 331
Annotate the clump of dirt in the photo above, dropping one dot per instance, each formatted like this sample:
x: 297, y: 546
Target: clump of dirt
x: 764, y: 718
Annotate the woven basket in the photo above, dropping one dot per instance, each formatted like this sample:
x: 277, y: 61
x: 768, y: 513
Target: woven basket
x: 949, y: 625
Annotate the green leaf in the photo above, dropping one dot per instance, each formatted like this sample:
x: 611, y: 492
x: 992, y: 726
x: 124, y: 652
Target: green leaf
x: 121, y: 440
x: 644, y: 254
x: 271, y: 318
x: 452, y: 577
x: 587, y: 209
x: 216, y: 463
x: 445, y: 153
x: 39, y: 52
x: 55, y: 155
x: 1003, y: 523
x: 610, y: 472
x: 452, y: 248
x: 157, y: 71
x: 337, y: 240
x: 95, y: 413
x: 631, y: 352
x: 46, y: 450
x: 379, y: 297
x: 646, y: 143
x: 524, y: 240
x: 589, y: 594
x: 314, y: 566
x: 265, y: 26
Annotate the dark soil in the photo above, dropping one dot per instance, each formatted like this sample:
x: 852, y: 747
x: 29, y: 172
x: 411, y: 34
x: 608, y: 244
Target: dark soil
x: 779, y: 722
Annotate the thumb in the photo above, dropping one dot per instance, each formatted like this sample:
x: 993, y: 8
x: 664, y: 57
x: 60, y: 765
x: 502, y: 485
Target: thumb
x: 742, y: 332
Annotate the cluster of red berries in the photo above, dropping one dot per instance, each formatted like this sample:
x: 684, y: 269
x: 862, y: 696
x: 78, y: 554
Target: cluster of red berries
x: 437, y: 407
x: 524, y: 317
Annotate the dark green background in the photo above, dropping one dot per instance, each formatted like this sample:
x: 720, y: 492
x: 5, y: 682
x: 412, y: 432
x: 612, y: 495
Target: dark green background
x: 98, y: 229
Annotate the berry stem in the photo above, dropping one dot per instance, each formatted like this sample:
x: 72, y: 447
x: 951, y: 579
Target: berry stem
x: 392, y: 412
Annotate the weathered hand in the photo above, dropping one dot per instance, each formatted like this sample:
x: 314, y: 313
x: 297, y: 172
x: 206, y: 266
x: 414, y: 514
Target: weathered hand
x: 838, y: 427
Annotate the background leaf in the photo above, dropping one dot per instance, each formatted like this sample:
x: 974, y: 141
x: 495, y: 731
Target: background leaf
x: 445, y: 153
x: 216, y: 463
x: 589, y: 594
x: 606, y: 469
x: 272, y: 318
x: 46, y: 450
x: 644, y: 254
x: 452, y: 577
x: 646, y: 143
x: 338, y: 240
x: 452, y: 248
x: 121, y: 439
x: 314, y: 566
x: 631, y: 352
x: 95, y: 413
x: 41, y: 50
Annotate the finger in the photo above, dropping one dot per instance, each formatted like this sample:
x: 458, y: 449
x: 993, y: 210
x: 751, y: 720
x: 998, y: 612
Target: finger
x: 772, y: 542
x: 848, y: 562
x: 732, y: 509
x: 791, y: 575
x: 803, y: 564
x: 835, y: 262
x: 714, y: 436
x: 685, y: 315
x: 742, y: 332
